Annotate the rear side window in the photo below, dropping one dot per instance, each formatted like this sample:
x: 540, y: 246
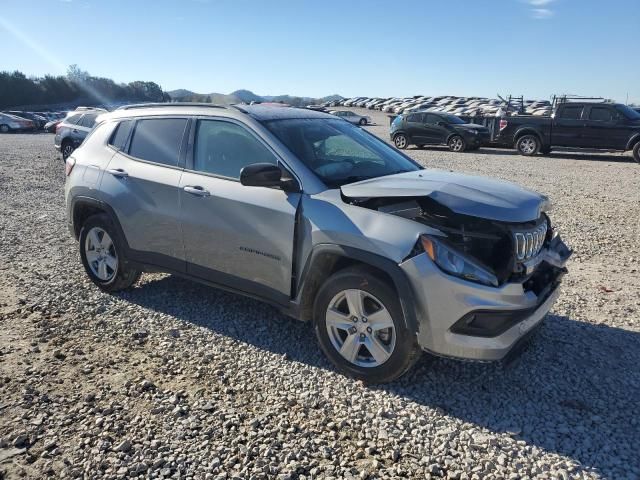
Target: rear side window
x: 414, y: 117
x: 89, y: 120
x: 431, y: 118
x: 121, y: 134
x: 73, y: 119
x: 224, y: 148
x: 571, y: 112
x: 601, y: 114
x: 158, y: 140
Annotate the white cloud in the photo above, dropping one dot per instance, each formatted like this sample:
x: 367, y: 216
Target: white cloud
x: 539, y: 3
x: 541, y: 13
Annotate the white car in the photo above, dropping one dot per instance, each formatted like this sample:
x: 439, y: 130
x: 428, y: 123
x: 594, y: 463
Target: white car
x: 352, y: 117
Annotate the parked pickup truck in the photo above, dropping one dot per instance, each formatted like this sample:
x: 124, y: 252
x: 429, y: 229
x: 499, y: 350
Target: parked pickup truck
x: 601, y: 126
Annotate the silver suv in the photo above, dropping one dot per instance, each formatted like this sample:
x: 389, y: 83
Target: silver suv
x: 322, y: 219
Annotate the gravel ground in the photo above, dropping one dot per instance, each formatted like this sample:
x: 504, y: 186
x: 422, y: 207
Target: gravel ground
x: 175, y: 380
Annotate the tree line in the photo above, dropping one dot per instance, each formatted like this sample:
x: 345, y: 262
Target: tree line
x: 77, y: 86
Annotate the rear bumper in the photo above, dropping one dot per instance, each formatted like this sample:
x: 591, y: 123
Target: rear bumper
x: 466, y: 320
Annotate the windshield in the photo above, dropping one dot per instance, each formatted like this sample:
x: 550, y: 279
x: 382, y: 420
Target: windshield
x: 629, y: 112
x: 338, y: 152
x: 451, y: 118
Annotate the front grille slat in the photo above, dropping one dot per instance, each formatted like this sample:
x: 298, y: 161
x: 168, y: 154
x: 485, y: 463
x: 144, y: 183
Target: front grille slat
x: 528, y: 243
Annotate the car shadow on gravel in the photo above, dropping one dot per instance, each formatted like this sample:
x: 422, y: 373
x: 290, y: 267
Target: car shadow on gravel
x: 575, y: 389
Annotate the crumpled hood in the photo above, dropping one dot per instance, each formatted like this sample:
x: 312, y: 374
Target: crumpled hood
x: 463, y: 194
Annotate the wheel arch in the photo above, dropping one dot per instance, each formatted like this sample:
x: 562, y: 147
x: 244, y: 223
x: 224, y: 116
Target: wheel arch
x: 326, y: 259
x: 84, y: 207
x: 522, y: 131
x: 632, y: 141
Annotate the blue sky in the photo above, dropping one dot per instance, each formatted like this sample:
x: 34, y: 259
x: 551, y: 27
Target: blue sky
x: 351, y: 47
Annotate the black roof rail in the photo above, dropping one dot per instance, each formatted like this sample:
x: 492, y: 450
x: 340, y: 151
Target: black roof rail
x: 558, y: 99
x: 169, y: 104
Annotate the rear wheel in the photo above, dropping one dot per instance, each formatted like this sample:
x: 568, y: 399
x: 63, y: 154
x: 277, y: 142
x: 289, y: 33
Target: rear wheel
x: 636, y: 152
x: 4, y: 128
x: 456, y: 144
x: 360, y: 326
x: 363, y: 121
x: 400, y: 141
x: 67, y: 149
x: 528, y: 145
x: 103, y: 257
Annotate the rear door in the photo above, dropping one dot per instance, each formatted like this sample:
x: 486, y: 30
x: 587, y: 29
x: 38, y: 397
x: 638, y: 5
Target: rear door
x: 236, y: 236
x: 605, y: 128
x: 415, y: 128
x: 569, y: 126
x: 141, y: 183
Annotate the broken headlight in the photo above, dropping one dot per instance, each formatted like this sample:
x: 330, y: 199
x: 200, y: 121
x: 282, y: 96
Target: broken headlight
x: 456, y: 263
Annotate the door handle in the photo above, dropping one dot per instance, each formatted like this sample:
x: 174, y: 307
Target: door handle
x: 196, y: 190
x: 74, y: 130
x: 118, y: 172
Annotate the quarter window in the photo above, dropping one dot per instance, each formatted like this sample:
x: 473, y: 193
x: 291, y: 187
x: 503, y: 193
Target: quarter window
x: 88, y: 120
x: 224, y: 148
x: 158, y: 140
x: 571, y: 112
x: 73, y: 119
x: 121, y: 133
x: 600, y: 114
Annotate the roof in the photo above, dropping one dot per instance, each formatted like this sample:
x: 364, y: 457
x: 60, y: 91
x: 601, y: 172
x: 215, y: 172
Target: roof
x: 270, y: 112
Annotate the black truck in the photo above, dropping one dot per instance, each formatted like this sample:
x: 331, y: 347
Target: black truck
x: 588, y: 125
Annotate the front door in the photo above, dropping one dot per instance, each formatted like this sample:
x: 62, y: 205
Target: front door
x: 236, y: 236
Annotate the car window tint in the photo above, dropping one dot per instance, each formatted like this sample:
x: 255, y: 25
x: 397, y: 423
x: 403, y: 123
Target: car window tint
x: 121, y: 133
x: 573, y: 112
x: 158, y: 140
x: 224, y: 148
x: 73, y: 119
x: 600, y: 114
x: 414, y: 117
x: 431, y: 118
x: 88, y: 120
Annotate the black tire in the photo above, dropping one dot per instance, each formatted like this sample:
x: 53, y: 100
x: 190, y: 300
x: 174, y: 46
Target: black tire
x: 457, y: 144
x: 66, y: 149
x: 124, y: 275
x: 363, y: 121
x: 4, y: 128
x: 404, y: 354
x: 401, y: 141
x: 636, y: 152
x: 528, y: 145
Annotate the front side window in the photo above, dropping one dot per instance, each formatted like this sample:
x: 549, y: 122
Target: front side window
x: 573, y: 112
x: 339, y: 152
x: 432, y: 119
x: 600, y: 114
x: 158, y: 140
x: 224, y: 148
x: 414, y: 118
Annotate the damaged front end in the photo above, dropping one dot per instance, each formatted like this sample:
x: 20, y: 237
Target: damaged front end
x: 486, y: 251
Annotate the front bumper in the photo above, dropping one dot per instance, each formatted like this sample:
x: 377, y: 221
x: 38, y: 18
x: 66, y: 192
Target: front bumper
x: 466, y: 320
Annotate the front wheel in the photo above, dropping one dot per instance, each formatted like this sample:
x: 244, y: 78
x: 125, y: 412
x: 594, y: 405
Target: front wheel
x: 67, y: 149
x: 103, y: 255
x: 360, y: 327
x: 400, y: 141
x: 363, y: 121
x: 636, y: 152
x: 4, y: 128
x: 456, y: 144
x: 528, y: 145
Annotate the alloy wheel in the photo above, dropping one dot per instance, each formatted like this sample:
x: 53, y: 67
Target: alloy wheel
x: 456, y: 144
x: 101, y: 254
x: 67, y: 150
x: 400, y: 141
x: 360, y: 328
x: 528, y: 145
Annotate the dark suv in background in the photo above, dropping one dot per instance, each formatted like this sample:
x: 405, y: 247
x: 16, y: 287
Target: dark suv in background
x: 72, y: 131
x: 437, y: 128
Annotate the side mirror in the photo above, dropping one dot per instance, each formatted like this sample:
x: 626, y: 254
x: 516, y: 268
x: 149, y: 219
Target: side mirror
x: 267, y: 175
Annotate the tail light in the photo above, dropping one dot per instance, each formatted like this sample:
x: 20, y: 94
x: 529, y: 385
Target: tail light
x: 69, y: 163
x: 503, y: 124
x: 58, y: 127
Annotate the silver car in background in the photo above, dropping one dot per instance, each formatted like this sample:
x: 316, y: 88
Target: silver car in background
x: 352, y: 117
x: 321, y: 219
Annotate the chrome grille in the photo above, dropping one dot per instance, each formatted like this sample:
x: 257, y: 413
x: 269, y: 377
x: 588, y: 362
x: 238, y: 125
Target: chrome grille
x: 529, y: 243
